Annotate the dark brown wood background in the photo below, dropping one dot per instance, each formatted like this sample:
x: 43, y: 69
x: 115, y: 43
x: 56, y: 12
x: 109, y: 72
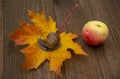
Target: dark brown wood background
x: 103, y: 61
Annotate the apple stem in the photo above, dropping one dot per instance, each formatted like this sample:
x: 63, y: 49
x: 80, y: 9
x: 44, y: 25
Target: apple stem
x: 67, y: 18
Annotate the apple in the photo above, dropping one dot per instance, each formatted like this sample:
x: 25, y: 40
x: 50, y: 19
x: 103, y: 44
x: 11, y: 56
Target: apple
x: 95, y: 32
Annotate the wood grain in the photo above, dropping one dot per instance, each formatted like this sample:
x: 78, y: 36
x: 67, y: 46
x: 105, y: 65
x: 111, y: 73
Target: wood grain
x: 103, y: 61
x: 1, y: 39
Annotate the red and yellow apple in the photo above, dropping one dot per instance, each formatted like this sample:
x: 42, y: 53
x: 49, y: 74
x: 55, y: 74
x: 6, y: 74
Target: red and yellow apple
x: 95, y: 32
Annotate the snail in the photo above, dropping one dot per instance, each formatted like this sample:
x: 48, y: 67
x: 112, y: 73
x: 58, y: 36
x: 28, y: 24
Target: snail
x: 52, y: 42
x: 53, y: 39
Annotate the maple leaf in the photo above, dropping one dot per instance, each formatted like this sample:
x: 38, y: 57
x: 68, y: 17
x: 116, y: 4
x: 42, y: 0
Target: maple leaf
x: 35, y: 55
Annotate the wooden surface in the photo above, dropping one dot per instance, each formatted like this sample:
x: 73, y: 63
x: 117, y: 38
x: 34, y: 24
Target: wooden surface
x: 103, y: 61
x: 1, y: 39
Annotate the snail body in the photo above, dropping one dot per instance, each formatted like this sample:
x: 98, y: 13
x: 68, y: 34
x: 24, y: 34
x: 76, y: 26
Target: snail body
x: 53, y: 39
x: 52, y: 42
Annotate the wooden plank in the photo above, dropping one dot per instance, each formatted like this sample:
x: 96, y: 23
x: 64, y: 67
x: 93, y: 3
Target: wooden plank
x: 1, y: 39
x: 103, y: 61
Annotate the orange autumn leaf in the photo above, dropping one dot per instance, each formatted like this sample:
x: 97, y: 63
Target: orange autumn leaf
x: 35, y: 55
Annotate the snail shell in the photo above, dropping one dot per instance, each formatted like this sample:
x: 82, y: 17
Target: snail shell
x: 53, y: 39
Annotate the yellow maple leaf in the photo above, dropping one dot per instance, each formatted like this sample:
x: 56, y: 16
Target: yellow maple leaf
x: 35, y: 55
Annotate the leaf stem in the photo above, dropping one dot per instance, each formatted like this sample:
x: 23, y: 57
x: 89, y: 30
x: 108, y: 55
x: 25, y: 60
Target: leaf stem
x: 67, y: 18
